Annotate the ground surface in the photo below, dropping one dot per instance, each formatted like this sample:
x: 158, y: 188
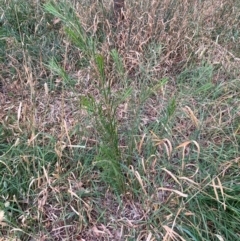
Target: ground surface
x: 119, y: 131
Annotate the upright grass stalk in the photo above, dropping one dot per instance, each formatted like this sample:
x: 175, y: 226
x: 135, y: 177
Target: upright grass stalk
x: 104, y: 111
x: 109, y: 158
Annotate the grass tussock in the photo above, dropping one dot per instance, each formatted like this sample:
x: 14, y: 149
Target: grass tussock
x: 126, y: 130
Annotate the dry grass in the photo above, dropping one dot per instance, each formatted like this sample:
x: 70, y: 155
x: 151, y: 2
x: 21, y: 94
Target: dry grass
x: 178, y: 128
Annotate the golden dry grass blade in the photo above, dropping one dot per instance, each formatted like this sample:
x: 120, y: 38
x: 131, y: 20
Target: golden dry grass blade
x: 215, y: 188
x: 190, y: 113
x: 173, y: 190
x: 141, y: 143
x: 167, y: 144
x: 171, y: 235
x: 6, y: 166
x: 185, y: 144
x: 190, y: 181
x: 172, y: 175
x: 140, y: 181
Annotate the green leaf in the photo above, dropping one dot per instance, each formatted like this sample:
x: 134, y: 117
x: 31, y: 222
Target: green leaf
x: 88, y: 103
x: 100, y: 65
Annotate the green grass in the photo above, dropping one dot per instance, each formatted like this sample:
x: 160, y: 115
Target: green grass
x: 119, y: 131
